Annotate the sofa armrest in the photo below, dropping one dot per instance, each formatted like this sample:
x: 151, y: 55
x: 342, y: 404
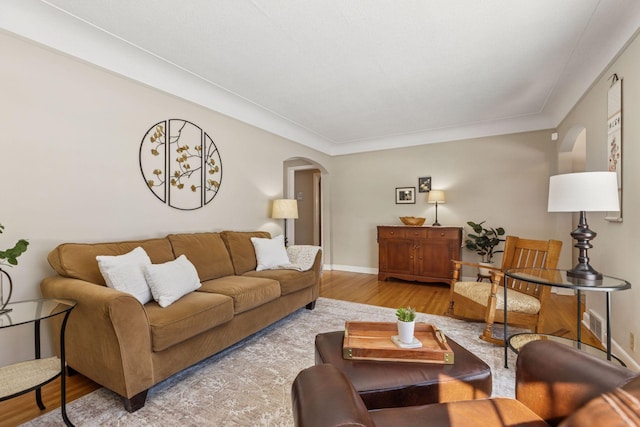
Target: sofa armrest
x: 554, y: 380
x: 317, y: 269
x: 322, y: 396
x: 107, y: 337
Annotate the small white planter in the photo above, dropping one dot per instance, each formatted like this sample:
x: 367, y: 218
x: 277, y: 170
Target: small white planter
x: 485, y: 271
x: 405, y: 331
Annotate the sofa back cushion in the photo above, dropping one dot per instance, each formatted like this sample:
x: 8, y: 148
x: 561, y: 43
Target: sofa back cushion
x: 78, y: 260
x: 206, y: 251
x: 243, y: 255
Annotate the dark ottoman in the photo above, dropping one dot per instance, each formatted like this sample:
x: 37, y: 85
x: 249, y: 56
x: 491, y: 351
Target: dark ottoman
x: 394, y: 384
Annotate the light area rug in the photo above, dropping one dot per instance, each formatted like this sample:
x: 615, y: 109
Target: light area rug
x: 249, y: 384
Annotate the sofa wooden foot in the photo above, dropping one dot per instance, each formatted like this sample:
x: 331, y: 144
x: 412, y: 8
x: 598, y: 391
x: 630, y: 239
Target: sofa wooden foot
x: 136, y: 402
x: 311, y: 305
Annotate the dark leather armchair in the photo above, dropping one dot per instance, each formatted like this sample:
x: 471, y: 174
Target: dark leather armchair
x: 555, y: 385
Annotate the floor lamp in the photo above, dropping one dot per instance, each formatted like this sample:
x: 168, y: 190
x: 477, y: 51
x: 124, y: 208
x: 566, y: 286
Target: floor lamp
x: 584, y: 192
x: 436, y: 196
x: 285, y: 209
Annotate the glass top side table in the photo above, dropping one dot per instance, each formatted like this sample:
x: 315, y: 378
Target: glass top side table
x: 23, y: 377
x: 517, y: 341
x: 559, y: 278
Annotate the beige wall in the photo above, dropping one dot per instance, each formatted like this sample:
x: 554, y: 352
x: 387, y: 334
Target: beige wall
x: 502, y: 179
x: 69, y: 169
x: 616, y: 248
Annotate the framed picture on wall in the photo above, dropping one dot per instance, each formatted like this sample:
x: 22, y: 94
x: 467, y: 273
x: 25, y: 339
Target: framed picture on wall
x: 614, y: 139
x: 424, y: 184
x: 405, y: 195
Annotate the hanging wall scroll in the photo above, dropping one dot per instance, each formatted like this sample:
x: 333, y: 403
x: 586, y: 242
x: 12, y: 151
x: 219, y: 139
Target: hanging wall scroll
x: 180, y: 164
x: 614, y: 139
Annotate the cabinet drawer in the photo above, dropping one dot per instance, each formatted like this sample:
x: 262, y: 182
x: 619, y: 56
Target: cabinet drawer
x: 392, y: 232
x: 443, y: 233
x: 417, y: 233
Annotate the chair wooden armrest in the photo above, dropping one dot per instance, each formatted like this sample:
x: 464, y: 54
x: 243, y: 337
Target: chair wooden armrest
x: 458, y: 264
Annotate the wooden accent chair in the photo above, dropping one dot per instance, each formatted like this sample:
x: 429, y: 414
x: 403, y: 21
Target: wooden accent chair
x: 479, y: 301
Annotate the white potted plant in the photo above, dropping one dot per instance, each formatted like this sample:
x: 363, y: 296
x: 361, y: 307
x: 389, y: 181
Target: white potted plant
x: 484, y: 243
x: 406, y: 324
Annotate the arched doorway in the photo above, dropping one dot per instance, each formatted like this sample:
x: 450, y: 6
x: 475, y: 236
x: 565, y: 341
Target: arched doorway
x: 304, y: 181
x: 573, y: 150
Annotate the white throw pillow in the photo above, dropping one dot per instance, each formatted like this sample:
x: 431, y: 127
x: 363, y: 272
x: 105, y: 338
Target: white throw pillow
x: 172, y: 280
x: 270, y: 253
x: 125, y: 273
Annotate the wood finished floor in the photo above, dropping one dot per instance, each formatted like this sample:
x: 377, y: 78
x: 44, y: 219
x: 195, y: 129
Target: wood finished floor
x: 354, y: 287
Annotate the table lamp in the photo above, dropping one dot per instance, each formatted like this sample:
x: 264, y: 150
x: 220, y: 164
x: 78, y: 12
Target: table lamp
x: 584, y: 192
x: 285, y: 209
x: 436, y: 196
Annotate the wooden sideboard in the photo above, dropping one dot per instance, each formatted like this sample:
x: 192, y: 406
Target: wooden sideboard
x: 421, y: 254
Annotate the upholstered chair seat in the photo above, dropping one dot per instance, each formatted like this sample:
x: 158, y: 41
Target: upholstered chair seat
x: 517, y: 301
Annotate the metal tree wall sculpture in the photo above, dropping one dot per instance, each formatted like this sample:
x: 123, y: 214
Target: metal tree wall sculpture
x: 180, y: 164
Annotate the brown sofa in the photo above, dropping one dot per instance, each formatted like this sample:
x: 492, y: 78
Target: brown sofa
x: 555, y: 385
x: 128, y: 347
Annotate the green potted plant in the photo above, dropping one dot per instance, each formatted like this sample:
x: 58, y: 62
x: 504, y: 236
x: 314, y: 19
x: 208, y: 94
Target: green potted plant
x: 406, y: 324
x: 9, y: 257
x: 484, y: 242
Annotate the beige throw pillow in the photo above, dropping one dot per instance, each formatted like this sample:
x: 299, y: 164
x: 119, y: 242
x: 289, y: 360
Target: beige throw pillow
x: 172, y: 280
x: 270, y: 253
x: 125, y: 273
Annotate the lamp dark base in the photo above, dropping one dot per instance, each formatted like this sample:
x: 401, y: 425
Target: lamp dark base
x: 584, y: 272
x: 436, y: 224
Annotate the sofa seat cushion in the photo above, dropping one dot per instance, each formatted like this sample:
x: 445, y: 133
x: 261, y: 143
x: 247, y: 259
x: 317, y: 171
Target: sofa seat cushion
x: 206, y: 251
x: 290, y: 280
x: 191, y: 315
x: 479, y: 293
x: 246, y: 292
x: 498, y: 411
x: 243, y: 255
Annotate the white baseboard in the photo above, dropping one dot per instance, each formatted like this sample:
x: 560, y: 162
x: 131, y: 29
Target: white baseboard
x: 562, y: 291
x: 351, y: 268
x: 616, y: 349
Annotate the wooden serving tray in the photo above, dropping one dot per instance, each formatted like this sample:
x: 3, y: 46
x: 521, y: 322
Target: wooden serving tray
x: 372, y: 341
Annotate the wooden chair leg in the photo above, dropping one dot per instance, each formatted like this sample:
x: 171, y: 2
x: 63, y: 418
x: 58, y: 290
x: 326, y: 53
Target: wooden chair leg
x: 489, y: 318
x: 452, y: 285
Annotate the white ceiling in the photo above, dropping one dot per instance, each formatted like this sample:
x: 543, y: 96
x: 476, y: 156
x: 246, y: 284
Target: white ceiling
x: 348, y: 76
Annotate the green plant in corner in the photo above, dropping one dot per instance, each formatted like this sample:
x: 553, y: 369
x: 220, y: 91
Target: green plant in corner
x: 406, y: 314
x: 485, y: 241
x: 10, y: 256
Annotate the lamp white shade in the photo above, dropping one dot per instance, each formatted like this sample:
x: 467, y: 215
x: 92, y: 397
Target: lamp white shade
x: 285, y: 208
x: 584, y: 191
x: 436, y: 196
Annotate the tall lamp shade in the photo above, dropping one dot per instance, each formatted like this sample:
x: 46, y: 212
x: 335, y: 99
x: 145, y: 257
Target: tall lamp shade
x: 285, y: 209
x: 436, y: 196
x: 584, y: 192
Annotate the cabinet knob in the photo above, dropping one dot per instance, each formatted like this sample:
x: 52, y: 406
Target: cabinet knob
x: 442, y: 234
